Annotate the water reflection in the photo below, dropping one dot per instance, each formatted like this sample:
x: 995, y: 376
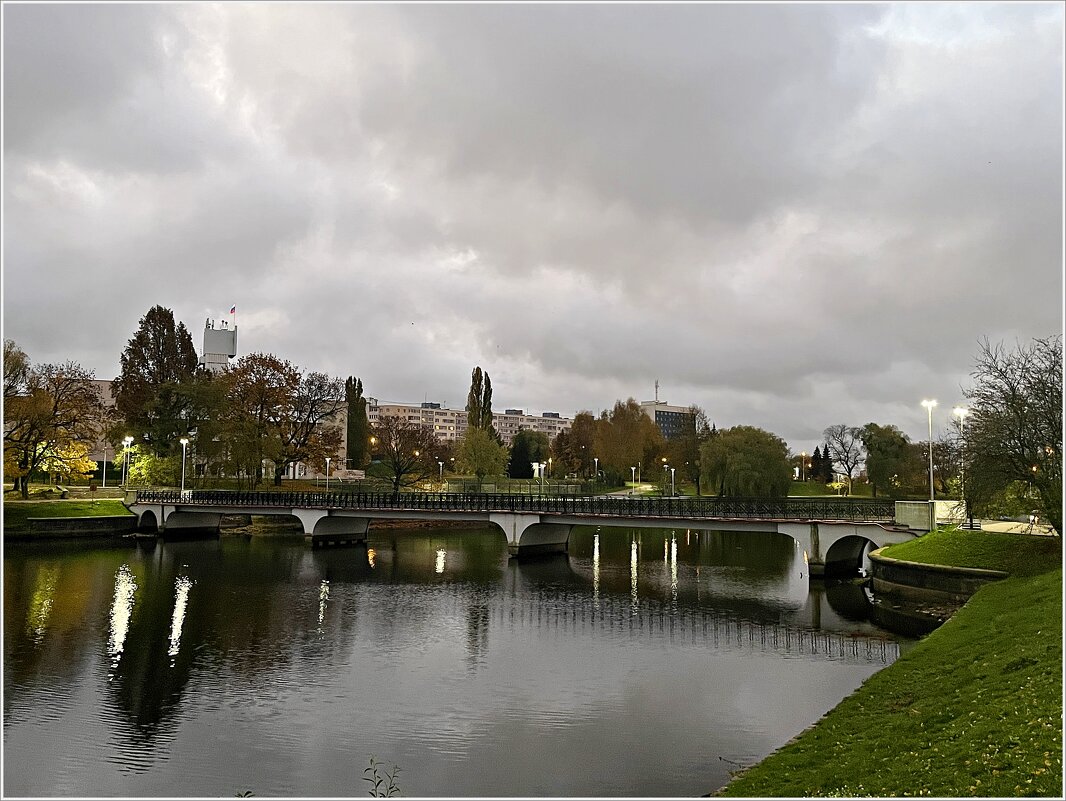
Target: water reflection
x: 560, y: 647
x: 41, y: 603
x: 182, y: 585
x: 121, y: 612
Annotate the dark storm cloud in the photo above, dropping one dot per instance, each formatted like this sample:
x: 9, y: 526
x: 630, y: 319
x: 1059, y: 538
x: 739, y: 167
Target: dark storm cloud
x: 791, y: 215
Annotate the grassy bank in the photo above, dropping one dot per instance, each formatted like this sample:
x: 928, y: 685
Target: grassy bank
x: 975, y: 709
x: 17, y: 512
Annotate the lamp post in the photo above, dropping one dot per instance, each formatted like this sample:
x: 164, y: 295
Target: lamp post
x: 961, y: 412
x: 328, y: 459
x: 104, y: 485
x: 126, y: 459
x: 541, y: 471
x: 803, y: 463
x: 929, y: 404
x: 638, y: 472
x: 184, y: 444
x: 673, y: 489
x: 549, y: 467
x: 439, y: 462
x: 633, y: 471
x: 596, y: 459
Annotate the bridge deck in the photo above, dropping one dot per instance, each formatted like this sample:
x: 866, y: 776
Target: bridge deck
x: 613, y: 506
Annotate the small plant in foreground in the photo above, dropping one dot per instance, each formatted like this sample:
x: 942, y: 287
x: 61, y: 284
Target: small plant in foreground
x: 383, y: 783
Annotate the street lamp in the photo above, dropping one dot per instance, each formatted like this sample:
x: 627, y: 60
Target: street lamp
x: 961, y: 412
x: 126, y: 459
x: 439, y: 462
x: 673, y: 489
x: 184, y: 444
x: 328, y: 459
x: 638, y: 472
x: 596, y: 459
x: 105, y: 466
x: 633, y: 471
x: 541, y: 471
x: 803, y: 463
x: 929, y: 404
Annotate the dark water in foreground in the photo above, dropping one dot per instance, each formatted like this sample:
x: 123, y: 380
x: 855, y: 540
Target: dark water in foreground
x: 644, y: 663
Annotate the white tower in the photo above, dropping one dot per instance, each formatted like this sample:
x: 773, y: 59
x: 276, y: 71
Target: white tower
x: 220, y: 345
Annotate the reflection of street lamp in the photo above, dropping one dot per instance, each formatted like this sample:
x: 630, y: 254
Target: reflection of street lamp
x: 929, y: 404
x: 184, y: 444
x: 328, y: 458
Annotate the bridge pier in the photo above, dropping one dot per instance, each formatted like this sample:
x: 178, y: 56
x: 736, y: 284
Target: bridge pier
x: 322, y: 528
x: 528, y: 536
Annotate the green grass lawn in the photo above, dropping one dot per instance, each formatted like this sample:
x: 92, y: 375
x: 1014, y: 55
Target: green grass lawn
x: 1017, y: 554
x: 974, y: 709
x: 16, y: 512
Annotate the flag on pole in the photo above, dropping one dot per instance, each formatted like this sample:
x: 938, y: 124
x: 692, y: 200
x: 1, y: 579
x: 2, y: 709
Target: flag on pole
x: 233, y: 309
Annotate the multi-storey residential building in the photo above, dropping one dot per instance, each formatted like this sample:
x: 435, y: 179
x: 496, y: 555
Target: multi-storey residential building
x: 449, y: 425
x: 670, y: 419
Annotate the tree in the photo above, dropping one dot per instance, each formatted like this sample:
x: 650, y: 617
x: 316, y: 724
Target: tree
x: 157, y: 360
x: 527, y: 447
x: 16, y: 370
x: 844, y: 445
x: 684, y: 451
x: 481, y: 454
x: 573, y: 449
x: 744, y: 461
x: 278, y: 414
x: 625, y: 437
x: 888, y: 456
x: 358, y: 430
x: 51, y: 419
x: 405, y: 450
x: 1014, y: 429
x: 479, y: 403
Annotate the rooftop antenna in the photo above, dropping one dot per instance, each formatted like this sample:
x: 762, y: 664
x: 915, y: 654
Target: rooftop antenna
x: 656, y: 390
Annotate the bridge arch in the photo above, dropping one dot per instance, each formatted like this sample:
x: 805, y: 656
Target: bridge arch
x: 148, y: 522
x: 845, y: 555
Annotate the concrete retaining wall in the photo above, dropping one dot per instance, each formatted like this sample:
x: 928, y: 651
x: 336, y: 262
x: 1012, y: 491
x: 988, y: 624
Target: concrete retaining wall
x: 927, y: 583
x: 58, y: 527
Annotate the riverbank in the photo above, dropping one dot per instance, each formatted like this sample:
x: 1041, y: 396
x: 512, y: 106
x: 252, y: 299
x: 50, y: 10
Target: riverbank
x: 974, y: 709
x: 17, y: 512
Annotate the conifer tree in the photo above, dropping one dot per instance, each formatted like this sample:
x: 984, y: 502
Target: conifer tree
x: 358, y: 430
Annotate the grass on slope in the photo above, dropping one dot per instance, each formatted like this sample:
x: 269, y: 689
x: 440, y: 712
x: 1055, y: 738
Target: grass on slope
x: 1017, y: 554
x: 16, y: 512
x: 975, y: 709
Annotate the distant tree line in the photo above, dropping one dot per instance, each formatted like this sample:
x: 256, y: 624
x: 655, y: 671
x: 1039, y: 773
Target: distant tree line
x: 255, y: 419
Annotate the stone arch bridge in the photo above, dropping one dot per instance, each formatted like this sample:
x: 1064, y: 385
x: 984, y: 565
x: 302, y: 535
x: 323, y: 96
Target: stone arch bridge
x: 833, y: 533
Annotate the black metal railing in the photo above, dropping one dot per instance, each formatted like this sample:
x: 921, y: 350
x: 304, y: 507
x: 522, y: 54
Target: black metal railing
x: 849, y: 509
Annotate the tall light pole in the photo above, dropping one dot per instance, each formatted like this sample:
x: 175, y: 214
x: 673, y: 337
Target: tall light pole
x: 961, y: 412
x: 633, y: 471
x: 328, y: 459
x: 803, y: 463
x: 105, y: 466
x: 596, y: 459
x: 638, y: 472
x: 127, y: 440
x: 673, y: 489
x: 439, y: 462
x: 541, y: 471
x: 184, y: 444
x: 929, y: 404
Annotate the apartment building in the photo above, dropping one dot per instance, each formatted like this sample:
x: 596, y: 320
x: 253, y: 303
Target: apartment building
x: 449, y: 425
x: 670, y: 419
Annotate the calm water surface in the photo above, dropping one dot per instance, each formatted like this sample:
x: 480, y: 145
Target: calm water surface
x: 644, y: 663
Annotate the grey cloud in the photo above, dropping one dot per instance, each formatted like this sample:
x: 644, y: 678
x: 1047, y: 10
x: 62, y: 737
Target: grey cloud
x: 791, y: 215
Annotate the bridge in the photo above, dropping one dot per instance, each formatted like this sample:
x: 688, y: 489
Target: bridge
x: 833, y: 533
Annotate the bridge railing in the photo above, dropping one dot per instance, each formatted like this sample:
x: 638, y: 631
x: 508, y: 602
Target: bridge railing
x: 849, y: 509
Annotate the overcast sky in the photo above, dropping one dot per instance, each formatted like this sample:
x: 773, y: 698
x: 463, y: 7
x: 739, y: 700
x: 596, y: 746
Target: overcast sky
x: 793, y: 216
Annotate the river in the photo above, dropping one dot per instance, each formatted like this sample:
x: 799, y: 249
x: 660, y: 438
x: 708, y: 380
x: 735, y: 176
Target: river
x: 643, y: 663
